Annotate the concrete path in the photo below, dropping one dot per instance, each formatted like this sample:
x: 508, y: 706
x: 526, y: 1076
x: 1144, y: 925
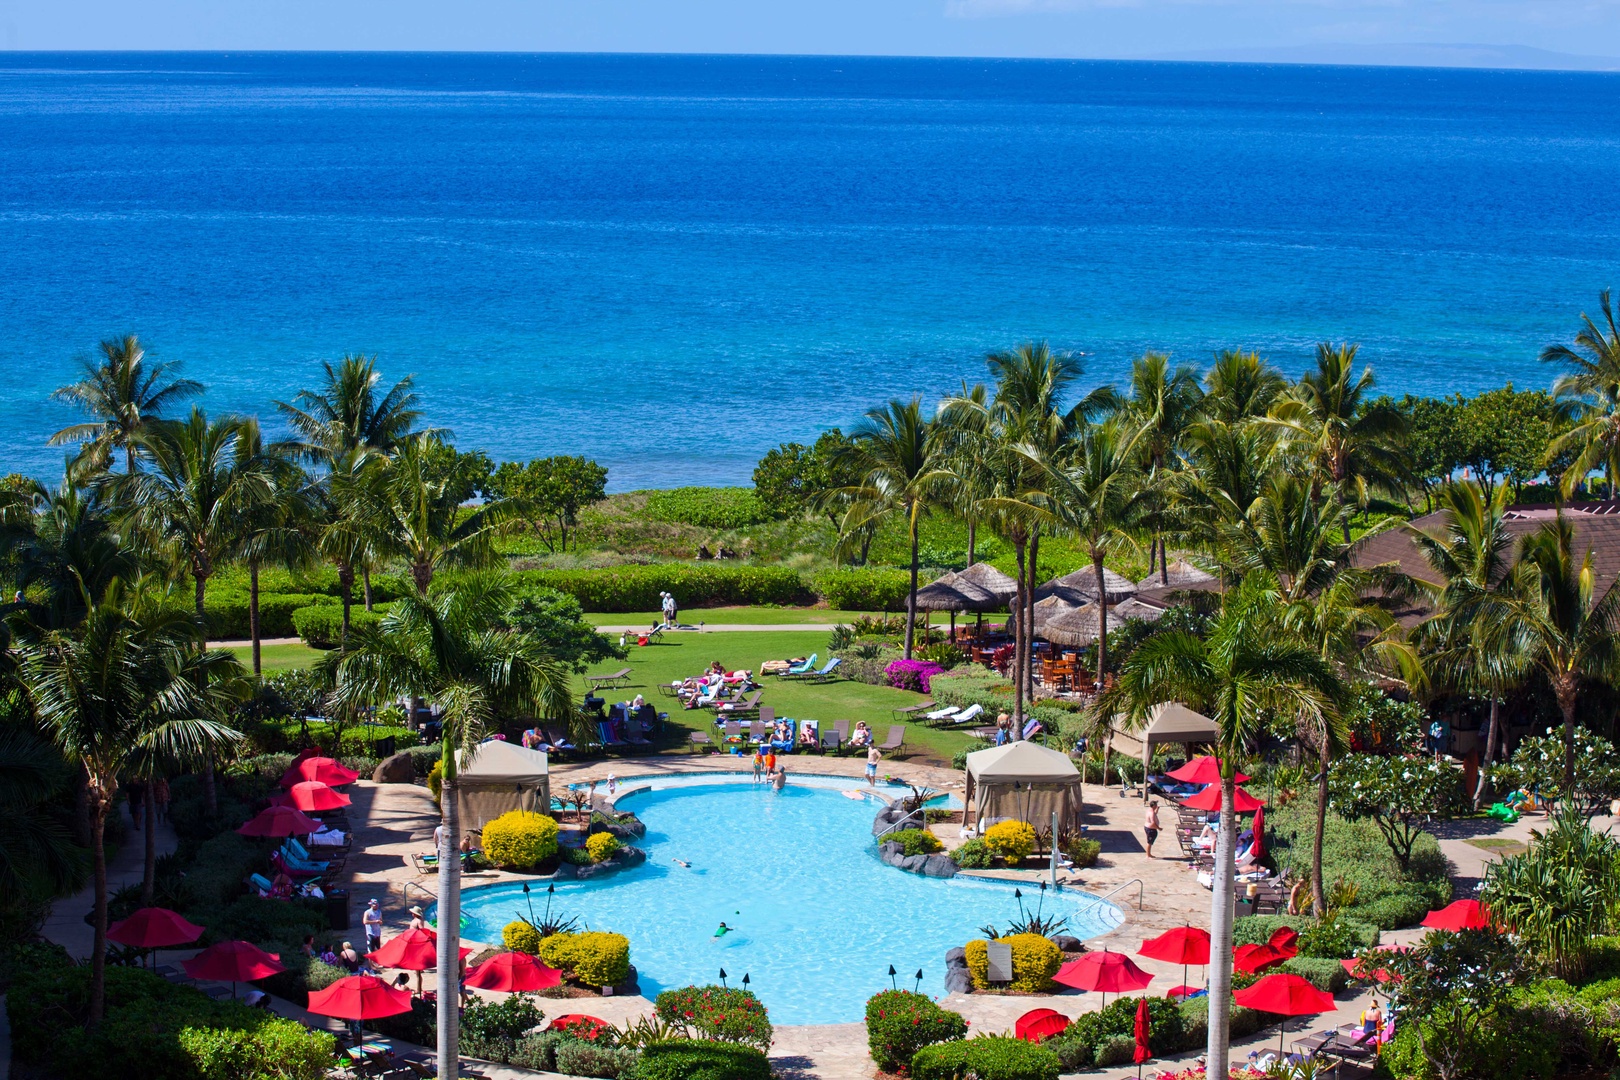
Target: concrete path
x: 66, y: 925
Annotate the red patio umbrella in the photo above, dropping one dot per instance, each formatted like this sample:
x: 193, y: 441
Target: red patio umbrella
x: 1256, y: 958
x: 1203, y: 770
x: 1038, y: 1024
x: 1459, y: 915
x: 1285, y: 939
x: 1353, y: 968
x: 1210, y: 799
x: 1104, y: 972
x: 233, y: 962
x: 360, y: 997
x: 279, y: 821
x: 314, y: 796
x: 1184, y: 945
x: 513, y: 972
x: 415, y: 950
x: 579, y: 1025
x: 1176, y: 993
x: 1259, y: 834
x: 324, y: 769
x: 153, y: 928
x: 1287, y: 995
x: 1143, y: 1050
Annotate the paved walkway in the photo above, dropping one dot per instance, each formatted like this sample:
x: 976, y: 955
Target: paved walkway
x: 66, y: 925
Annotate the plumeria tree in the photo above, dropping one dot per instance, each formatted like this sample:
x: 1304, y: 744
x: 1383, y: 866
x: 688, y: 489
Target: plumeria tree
x: 1398, y: 794
x: 1455, y: 990
x: 1538, y: 766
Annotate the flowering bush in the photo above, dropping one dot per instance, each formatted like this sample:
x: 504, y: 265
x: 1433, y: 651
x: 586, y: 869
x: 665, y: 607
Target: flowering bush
x: 912, y: 674
x: 1399, y: 794
x: 1012, y: 840
x: 601, y: 846
x: 520, y: 935
x: 899, y: 1023
x: 716, y: 1012
x: 1034, y: 961
x: 1538, y: 766
x: 1197, y: 1073
x: 520, y: 838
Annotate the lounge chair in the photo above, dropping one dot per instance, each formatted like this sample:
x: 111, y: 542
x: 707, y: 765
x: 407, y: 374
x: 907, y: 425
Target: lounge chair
x: 942, y: 714
x: 841, y: 730
x: 742, y: 705
x: 896, y: 739
x: 831, y: 741
x: 617, y: 679
x: 610, y: 740
x: 732, y: 729
x: 767, y: 716
x: 260, y: 882
x: 633, y: 734
x: 699, y: 738
x: 967, y: 715
x: 759, y: 732
x: 825, y: 673
x: 800, y: 669
x: 912, y: 710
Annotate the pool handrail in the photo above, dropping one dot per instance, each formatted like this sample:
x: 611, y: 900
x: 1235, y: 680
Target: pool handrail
x: 1134, y: 881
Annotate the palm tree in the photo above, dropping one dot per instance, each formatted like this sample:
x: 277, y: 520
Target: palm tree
x: 1549, y: 612
x: 125, y: 393
x: 1350, y: 444
x: 420, y: 514
x: 126, y: 683
x: 1593, y: 387
x: 1240, y: 387
x: 347, y: 414
x: 446, y: 646
x: 69, y: 556
x: 1247, y: 667
x: 1471, y: 551
x: 37, y: 857
x: 276, y: 531
x: 347, y: 534
x: 902, y: 471
x: 1164, y: 404
x: 1098, y: 494
x: 1294, y: 534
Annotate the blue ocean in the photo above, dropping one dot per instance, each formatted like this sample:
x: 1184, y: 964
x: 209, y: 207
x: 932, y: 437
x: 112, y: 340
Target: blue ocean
x: 672, y: 263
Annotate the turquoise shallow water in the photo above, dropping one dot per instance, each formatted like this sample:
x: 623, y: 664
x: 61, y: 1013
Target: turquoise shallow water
x: 674, y: 263
x: 818, y: 919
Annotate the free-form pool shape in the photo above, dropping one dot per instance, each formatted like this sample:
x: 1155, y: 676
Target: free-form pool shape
x: 816, y: 918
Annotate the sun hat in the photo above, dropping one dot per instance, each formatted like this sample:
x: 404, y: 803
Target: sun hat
x: 418, y: 912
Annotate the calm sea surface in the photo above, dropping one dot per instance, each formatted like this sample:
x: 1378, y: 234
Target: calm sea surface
x: 674, y: 263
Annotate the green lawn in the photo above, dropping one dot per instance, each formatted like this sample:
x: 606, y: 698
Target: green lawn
x: 681, y: 655
x: 279, y: 657
x: 740, y: 616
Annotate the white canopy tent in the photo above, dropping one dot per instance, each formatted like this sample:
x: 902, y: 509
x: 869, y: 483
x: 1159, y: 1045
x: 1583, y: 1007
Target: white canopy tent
x: 500, y: 776
x: 1171, y: 722
x: 1026, y: 781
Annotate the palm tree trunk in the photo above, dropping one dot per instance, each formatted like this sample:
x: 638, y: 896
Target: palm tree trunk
x: 346, y: 591
x: 449, y: 929
x: 98, y: 950
x: 1220, y: 932
x: 365, y: 578
x: 422, y: 575
x: 210, y: 794
x: 911, y: 597
x: 1491, y: 733
x: 1020, y: 631
x: 1318, y: 894
x: 1027, y: 616
x: 253, y: 615
x: 1102, y: 615
x: 1164, y: 562
x: 149, y: 816
x: 973, y: 536
x: 1564, y: 690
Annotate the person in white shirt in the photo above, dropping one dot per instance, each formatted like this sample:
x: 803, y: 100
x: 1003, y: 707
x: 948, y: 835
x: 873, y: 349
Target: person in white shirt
x: 372, y: 921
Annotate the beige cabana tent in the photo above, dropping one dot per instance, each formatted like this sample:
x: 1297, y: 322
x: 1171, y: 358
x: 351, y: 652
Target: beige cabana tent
x: 501, y: 776
x: 1026, y: 781
x: 1172, y: 722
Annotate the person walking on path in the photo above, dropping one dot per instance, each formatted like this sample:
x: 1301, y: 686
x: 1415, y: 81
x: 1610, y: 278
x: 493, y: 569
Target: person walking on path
x: 1150, y: 825
x: 372, y: 920
x: 873, y: 756
x: 670, y: 609
x: 160, y: 795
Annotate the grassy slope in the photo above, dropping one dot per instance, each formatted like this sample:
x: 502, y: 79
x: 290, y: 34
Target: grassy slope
x: 279, y: 657
x: 741, y: 616
x: 688, y: 654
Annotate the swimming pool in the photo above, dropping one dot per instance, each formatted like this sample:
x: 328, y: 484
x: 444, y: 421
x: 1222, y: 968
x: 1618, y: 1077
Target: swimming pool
x: 818, y: 919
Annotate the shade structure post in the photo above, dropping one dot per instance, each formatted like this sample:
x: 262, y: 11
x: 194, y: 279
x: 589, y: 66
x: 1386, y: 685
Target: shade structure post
x: 1054, y: 848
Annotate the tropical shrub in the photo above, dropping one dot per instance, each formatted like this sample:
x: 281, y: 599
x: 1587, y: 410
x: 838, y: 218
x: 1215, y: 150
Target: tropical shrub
x: 228, y: 614
x: 593, y: 958
x: 899, y: 1023
x: 538, y: 1051
x: 636, y: 588
x: 987, y: 1057
x: 911, y: 674
x: 699, y: 1059
x: 1323, y: 974
x: 943, y: 654
x: 1082, y: 852
x: 519, y: 839
x: 520, y: 935
x: 601, y: 846
x: 512, y: 1017
x: 1399, y: 795
x: 865, y: 588
x: 716, y: 1012
x: 974, y: 854
x: 1462, y: 987
x: 914, y: 841
x: 321, y: 625
x: 1034, y: 960
x: 708, y: 507
x: 1012, y: 840
x: 1082, y: 1043
x: 580, y: 1057
x: 1538, y: 765
x: 1329, y: 939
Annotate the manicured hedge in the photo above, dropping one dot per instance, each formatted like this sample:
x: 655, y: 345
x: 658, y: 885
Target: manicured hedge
x: 722, y: 1013
x: 699, y: 1059
x: 899, y: 1023
x: 321, y: 626
x: 636, y: 588
x: 708, y: 507
x: 987, y: 1057
x: 866, y: 588
x: 226, y: 613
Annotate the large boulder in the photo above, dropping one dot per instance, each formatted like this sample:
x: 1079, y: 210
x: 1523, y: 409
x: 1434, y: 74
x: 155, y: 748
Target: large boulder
x: 1068, y: 944
x: 956, y: 958
x: 914, y: 863
x: 940, y: 866
x: 399, y: 769
x: 958, y: 981
x: 627, y: 827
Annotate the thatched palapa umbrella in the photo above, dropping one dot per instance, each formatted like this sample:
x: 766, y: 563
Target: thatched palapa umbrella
x: 950, y: 593
x: 1180, y: 573
x: 1079, y: 626
x: 996, y: 587
x: 1083, y: 583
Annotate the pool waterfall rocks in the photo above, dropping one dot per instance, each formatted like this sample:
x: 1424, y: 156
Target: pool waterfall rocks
x: 785, y: 887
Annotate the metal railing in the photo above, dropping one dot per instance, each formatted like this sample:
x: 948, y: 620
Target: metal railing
x: 1139, y: 892
x: 891, y: 828
x: 405, y: 892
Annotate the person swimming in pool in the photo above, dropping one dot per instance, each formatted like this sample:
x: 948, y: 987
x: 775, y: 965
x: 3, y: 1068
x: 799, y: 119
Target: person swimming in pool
x: 681, y: 862
x: 723, y: 931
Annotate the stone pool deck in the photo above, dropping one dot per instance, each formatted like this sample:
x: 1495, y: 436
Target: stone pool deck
x: 392, y: 821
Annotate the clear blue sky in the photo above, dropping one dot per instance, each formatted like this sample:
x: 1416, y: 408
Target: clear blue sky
x: 1060, y: 28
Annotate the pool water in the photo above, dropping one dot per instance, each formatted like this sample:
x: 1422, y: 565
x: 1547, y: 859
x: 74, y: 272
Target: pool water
x: 817, y: 918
